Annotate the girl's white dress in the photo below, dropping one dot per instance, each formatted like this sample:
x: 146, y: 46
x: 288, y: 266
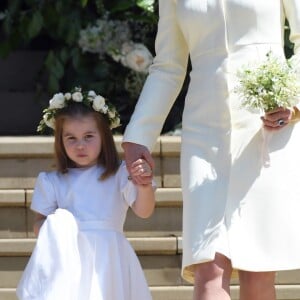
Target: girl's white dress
x: 81, y: 252
x: 231, y: 203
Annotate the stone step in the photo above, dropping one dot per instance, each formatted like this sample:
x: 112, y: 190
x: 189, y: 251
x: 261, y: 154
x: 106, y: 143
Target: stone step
x: 42, y: 146
x: 157, y: 240
x: 165, y: 197
x: 165, y: 221
x: 22, y: 158
x: 159, y: 270
x: 16, y: 218
x: 160, y: 258
x: 284, y: 292
x: 142, y: 245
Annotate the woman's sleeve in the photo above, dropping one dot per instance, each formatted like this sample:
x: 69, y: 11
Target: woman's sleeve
x: 44, y: 200
x: 292, y: 12
x: 165, y: 79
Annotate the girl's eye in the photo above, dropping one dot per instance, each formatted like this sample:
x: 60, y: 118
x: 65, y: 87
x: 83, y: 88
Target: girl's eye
x: 89, y: 136
x: 70, y: 138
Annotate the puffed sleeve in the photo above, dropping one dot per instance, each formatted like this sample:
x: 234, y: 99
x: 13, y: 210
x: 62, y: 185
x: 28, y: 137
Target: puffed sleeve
x: 292, y: 12
x: 44, y: 200
x: 128, y: 189
x: 165, y: 79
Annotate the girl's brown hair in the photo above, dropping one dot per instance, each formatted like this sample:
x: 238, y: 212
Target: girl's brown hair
x: 108, y: 157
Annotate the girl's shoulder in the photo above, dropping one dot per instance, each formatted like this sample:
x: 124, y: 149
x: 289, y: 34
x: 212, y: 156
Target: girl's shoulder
x: 49, y: 177
x: 50, y: 174
x: 44, y: 200
x: 121, y: 177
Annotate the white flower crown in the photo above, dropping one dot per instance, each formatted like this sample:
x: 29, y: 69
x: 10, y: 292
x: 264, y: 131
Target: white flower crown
x: 89, y: 99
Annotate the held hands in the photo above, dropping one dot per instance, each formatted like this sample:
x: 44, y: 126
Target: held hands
x: 277, y: 118
x: 141, y: 172
x: 134, y: 153
x: 140, y: 163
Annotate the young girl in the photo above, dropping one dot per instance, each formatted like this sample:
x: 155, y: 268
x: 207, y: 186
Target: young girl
x: 81, y: 252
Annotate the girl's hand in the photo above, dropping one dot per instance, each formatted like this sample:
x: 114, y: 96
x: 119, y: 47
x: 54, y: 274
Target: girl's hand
x: 277, y: 118
x: 141, y: 172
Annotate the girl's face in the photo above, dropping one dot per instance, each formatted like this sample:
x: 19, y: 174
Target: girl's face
x: 82, y: 140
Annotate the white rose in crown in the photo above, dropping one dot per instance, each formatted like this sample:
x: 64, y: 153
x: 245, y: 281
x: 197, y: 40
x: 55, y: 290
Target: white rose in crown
x: 68, y: 96
x: 136, y: 57
x: 91, y: 95
x: 58, y: 101
x: 98, y: 103
x: 77, y: 97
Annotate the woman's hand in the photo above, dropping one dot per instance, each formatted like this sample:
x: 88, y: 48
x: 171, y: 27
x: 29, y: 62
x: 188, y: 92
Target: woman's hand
x: 277, y: 118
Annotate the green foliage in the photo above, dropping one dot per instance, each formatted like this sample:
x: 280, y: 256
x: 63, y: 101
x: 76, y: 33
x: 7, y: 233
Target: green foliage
x: 54, y: 26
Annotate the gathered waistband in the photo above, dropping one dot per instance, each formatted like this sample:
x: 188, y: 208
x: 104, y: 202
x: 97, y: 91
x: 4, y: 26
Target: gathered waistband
x: 65, y: 216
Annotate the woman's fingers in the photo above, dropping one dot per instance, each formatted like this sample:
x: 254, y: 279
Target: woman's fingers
x: 140, y: 168
x: 277, y: 118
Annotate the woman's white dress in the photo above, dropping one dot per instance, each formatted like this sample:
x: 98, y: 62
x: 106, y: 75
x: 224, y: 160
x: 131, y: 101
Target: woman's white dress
x: 232, y: 203
x: 81, y: 252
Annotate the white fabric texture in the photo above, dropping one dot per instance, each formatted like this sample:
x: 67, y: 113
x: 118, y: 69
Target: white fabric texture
x: 81, y: 251
x: 232, y: 204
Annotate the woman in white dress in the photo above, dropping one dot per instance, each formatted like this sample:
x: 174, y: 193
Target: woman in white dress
x: 236, y: 213
x: 81, y: 251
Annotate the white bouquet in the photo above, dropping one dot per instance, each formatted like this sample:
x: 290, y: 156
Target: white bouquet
x: 270, y: 84
x: 267, y: 85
